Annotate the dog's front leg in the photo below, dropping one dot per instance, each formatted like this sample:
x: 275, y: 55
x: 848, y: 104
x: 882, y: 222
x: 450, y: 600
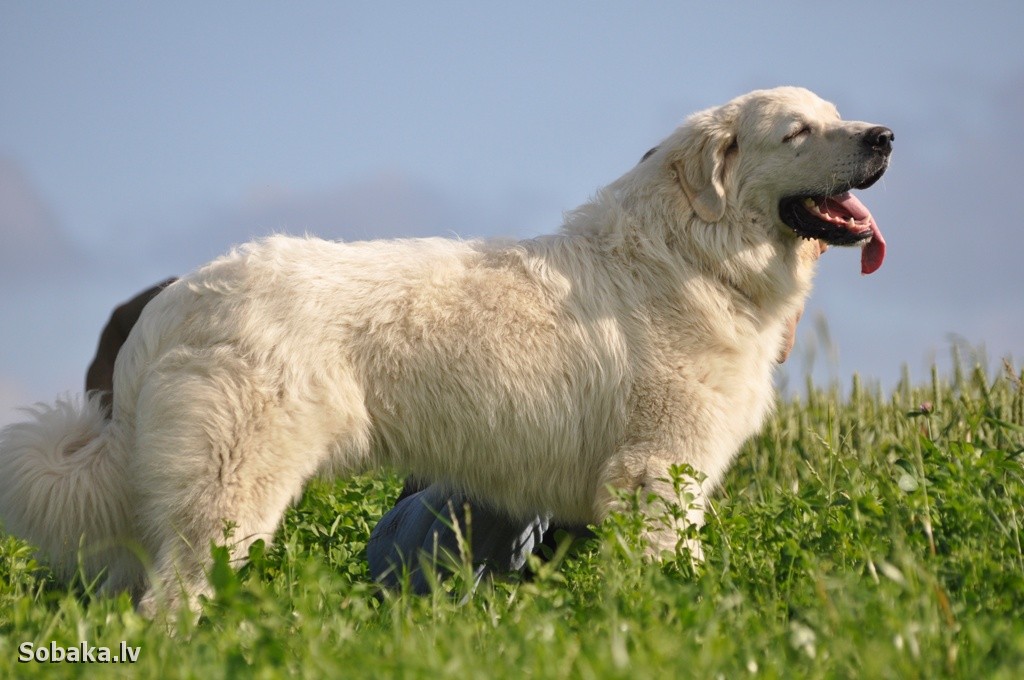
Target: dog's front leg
x: 672, y: 498
x: 674, y: 505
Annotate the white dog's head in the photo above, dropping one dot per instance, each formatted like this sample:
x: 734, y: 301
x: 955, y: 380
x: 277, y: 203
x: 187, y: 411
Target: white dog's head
x: 783, y: 162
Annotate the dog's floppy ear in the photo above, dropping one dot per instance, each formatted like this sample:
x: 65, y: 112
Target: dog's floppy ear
x: 700, y: 165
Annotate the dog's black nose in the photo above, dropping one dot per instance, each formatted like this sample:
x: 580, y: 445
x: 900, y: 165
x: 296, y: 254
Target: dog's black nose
x: 879, y: 138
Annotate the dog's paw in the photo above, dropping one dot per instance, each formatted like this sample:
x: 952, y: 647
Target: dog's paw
x: 669, y: 545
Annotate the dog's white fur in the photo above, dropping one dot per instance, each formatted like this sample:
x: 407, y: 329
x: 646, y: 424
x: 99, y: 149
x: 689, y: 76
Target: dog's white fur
x: 533, y: 374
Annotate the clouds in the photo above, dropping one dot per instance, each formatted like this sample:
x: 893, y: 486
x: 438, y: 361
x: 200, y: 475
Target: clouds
x: 29, y: 232
x: 12, y: 398
x: 56, y: 296
x: 381, y: 205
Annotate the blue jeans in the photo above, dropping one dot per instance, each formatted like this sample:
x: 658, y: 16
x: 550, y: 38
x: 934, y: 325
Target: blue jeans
x: 423, y: 530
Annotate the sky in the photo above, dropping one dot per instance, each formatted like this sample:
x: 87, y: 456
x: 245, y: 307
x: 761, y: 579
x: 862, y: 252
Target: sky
x: 139, y: 140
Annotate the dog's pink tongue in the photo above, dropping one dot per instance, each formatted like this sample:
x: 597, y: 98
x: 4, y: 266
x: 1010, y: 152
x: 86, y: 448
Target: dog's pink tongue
x: 874, y: 250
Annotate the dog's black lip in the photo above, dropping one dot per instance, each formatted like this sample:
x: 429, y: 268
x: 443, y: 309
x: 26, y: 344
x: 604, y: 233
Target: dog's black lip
x: 871, y: 179
x: 795, y: 216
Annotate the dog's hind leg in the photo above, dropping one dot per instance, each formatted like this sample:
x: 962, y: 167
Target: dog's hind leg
x: 181, y: 563
x: 222, y: 454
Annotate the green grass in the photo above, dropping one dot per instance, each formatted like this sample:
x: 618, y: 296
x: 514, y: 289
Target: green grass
x: 860, y: 535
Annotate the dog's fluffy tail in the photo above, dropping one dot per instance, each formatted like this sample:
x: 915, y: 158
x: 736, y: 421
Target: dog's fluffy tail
x: 64, y: 486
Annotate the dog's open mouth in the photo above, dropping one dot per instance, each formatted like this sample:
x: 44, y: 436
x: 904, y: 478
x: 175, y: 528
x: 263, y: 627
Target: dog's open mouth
x: 839, y: 220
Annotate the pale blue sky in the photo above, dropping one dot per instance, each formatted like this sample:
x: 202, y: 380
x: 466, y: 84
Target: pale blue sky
x: 138, y: 140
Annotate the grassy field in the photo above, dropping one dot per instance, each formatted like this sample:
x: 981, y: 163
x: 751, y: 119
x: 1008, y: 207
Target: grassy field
x: 860, y: 535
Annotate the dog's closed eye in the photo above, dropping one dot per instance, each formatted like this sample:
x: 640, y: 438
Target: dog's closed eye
x: 801, y: 131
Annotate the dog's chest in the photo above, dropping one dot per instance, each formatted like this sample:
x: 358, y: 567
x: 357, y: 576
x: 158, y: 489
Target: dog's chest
x: 723, y: 365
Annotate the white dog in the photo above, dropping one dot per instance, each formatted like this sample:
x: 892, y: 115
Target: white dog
x: 536, y: 375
